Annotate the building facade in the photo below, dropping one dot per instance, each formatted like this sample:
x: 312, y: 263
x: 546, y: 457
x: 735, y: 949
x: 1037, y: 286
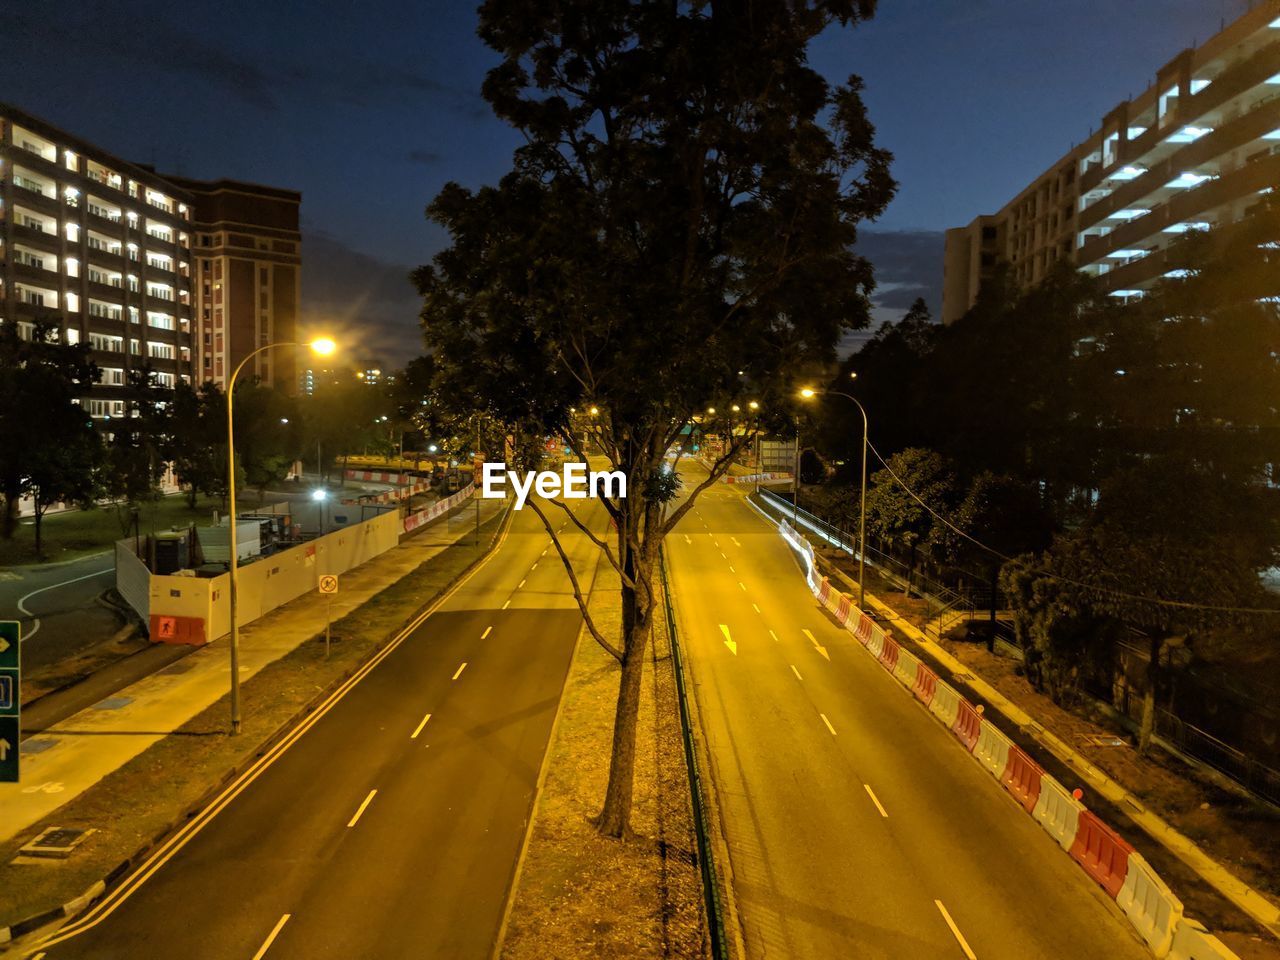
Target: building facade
x: 1197, y: 150
x: 98, y: 248
x: 248, y: 289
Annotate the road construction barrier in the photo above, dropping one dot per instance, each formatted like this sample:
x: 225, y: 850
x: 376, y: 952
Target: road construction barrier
x: 1057, y: 811
x: 968, y: 724
x: 824, y: 591
x: 1102, y: 852
x: 863, y: 630
x: 992, y: 751
x: 753, y: 477
x: 415, y: 520
x: 177, y: 630
x: 946, y: 704
x: 1191, y: 941
x: 1022, y: 778
x: 379, y: 476
x: 876, y: 643
x: 1150, y: 905
x: 907, y: 668
x: 926, y: 683
x: 889, y: 654
x: 844, y: 608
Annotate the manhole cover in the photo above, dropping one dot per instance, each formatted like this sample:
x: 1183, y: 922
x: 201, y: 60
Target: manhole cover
x: 55, y: 842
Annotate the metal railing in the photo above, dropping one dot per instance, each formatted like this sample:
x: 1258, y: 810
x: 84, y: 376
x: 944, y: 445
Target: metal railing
x: 710, y: 882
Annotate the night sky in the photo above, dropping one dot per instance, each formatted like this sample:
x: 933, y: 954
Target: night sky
x: 368, y: 108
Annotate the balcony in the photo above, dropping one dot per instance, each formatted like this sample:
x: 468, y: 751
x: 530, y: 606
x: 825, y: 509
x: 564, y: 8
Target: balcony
x: 26, y: 271
x: 41, y: 237
x: 1202, y: 152
x: 33, y: 198
x: 1188, y: 206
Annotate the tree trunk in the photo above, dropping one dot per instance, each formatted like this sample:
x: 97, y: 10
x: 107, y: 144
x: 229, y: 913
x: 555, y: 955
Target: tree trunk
x: 39, y: 513
x: 10, y: 514
x: 615, y: 817
x: 1147, y: 727
x: 991, y: 633
x: 911, y: 569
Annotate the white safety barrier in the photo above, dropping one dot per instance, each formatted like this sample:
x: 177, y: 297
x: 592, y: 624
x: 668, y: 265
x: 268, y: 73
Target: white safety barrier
x: 992, y: 750
x: 1191, y: 941
x: 946, y: 704
x: 415, y: 520
x: 1150, y: 905
x: 876, y: 643
x: 906, y: 668
x: 1057, y: 811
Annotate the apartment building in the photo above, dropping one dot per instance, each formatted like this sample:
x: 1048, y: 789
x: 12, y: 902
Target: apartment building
x: 248, y: 289
x: 1196, y: 150
x: 99, y: 248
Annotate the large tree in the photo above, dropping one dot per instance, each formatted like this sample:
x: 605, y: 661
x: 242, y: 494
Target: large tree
x: 41, y: 379
x: 896, y: 498
x: 676, y: 232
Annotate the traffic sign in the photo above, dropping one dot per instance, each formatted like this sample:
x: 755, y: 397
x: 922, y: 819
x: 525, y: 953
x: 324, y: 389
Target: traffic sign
x: 329, y: 583
x: 10, y: 699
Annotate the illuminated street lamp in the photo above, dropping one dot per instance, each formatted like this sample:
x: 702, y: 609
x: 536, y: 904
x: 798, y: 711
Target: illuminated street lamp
x: 808, y: 393
x: 320, y: 495
x: 322, y: 346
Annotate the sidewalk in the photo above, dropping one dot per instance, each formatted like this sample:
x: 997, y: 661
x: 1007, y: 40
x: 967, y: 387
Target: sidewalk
x: 1215, y: 874
x: 66, y: 759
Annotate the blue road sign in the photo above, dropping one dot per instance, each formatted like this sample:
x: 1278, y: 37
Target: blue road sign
x: 10, y: 699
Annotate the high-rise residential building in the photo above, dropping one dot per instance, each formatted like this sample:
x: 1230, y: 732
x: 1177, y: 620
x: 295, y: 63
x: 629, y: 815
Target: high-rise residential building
x: 248, y: 266
x: 100, y: 249
x: 1198, y: 149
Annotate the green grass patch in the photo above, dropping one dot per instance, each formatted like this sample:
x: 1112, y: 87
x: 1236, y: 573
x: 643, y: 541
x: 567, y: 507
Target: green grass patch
x: 79, y: 533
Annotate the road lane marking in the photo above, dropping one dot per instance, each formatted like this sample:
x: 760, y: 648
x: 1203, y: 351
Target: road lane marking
x: 797, y: 673
x: 414, y: 735
x: 774, y: 635
x: 722, y: 555
x: 271, y: 937
x: 735, y: 541
x: 755, y: 608
x: 534, y: 567
x: 486, y: 631
x: 816, y: 645
x: 460, y: 669
x: 367, y: 801
x: 520, y: 584
x: 741, y: 584
x: 507, y: 604
x: 731, y: 570
x: 964, y: 944
x: 686, y: 538
x: 112, y: 901
x: 728, y: 640
x: 35, y: 621
x: 876, y: 800
x: 828, y: 723
x: 544, y: 552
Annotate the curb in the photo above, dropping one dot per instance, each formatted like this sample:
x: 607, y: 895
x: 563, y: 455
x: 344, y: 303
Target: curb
x: 79, y: 904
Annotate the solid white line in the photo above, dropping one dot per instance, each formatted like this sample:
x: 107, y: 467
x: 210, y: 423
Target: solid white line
x: 414, y: 735
x: 367, y: 801
x: 741, y: 584
x: 35, y: 621
x: 774, y: 635
x: 460, y: 669
x: 486, y: 631
x: 828, y: 723
x: 796, y: 672
x: 964, y: 944
x: 266, y: 944
x: 876, y: 800
x: 520, y: 584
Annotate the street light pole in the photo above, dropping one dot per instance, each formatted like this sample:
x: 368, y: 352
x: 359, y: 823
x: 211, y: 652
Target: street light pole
x: 862, y: 507
x: 795, y: 483
x: 233, y: 561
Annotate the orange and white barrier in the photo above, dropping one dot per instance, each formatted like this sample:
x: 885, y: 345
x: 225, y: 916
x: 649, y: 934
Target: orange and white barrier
x: 415, y: 520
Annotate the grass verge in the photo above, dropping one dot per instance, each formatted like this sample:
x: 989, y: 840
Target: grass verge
x: 580, y: 895
x: 134, y: 807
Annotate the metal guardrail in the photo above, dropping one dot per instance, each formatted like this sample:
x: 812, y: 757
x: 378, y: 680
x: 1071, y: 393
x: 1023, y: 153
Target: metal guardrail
x: 706, y: 862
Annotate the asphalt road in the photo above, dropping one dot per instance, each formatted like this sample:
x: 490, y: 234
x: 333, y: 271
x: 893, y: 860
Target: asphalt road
x: 856, y: 826
x: 58, y: 607
x: 391, y: 828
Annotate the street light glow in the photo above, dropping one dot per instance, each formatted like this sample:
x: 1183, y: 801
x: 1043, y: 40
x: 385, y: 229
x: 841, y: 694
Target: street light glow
x: 432, y: 449
x: 753, y: 405
x: 319, y: 494
x: 736, y: 408
x: 594, y: 411
x: 323, y: 346
x: 808, y: 393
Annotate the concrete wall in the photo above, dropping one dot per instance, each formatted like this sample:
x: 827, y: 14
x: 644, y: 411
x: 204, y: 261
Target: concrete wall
x: 132, y: 579
x: 271, y: 581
